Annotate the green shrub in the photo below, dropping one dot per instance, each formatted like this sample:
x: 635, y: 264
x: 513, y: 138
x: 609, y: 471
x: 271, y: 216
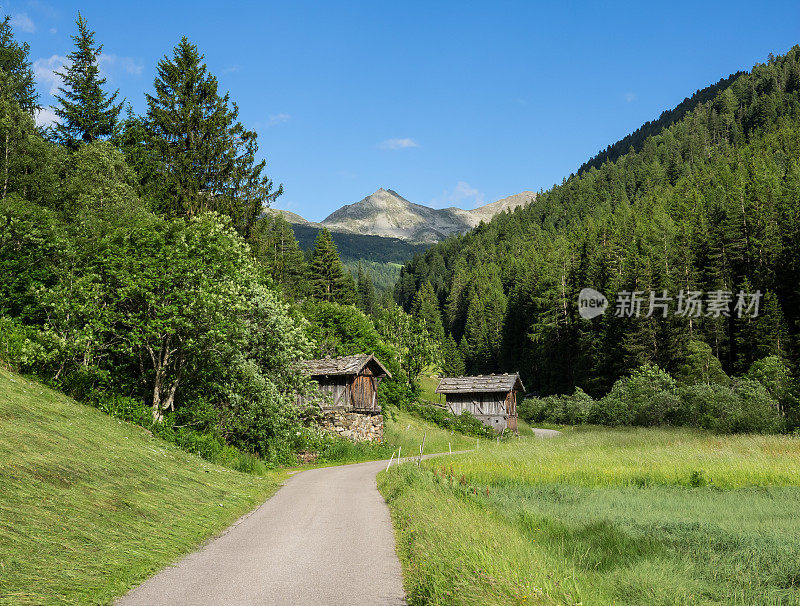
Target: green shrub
x: 651, y: 397
x: 706, y: 406
x: 562, y: 409
x: 14, y: 343
x: 744, y: 407
x: 646, y: 398
x: 774, y: 375
x: 757, y: 411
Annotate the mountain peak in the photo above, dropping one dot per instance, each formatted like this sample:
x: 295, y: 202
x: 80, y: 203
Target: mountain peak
x: 387, y: 213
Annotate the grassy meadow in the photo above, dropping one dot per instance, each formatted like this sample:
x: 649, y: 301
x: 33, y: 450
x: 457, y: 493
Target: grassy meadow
x: 91, y: 506
x: 603, y: 517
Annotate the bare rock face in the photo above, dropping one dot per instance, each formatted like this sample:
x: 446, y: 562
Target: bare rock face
x: 387, y: 213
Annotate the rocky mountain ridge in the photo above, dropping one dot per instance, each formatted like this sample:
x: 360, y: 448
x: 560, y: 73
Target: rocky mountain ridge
x: 386, y: 213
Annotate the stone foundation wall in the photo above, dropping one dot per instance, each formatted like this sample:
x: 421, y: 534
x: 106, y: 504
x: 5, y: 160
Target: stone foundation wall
x: 353, y: 425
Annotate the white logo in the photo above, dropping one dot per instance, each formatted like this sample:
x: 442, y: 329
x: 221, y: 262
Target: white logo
x: 591, y: 303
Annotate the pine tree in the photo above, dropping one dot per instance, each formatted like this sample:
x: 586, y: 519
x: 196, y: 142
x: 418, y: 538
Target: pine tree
x: 86, y: 112
x: 366, y: 291
x: 277, y: 248
x: 327, y: 280
x: 206, y: 157
x: 426, y: 308
x: 452, y: 360
x: 16, y: 74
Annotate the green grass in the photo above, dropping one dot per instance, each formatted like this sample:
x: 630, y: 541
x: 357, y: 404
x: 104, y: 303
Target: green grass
x: 407, y: 431
x: 91, y: 506
x: 640, y: 457
x: 603, y: 517
x: 404, y: 431
x: 428, y: 384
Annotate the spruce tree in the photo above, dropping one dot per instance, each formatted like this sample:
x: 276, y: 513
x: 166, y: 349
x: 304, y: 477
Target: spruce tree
x: 426, y: 308
x: 366, y: 291
x: 328, y: 280
x: 87, y: 113
x: 277, y: 248
x: 206, y: 157
x: 452, y: 360
x: 17, y: 104
x: 16, y: 75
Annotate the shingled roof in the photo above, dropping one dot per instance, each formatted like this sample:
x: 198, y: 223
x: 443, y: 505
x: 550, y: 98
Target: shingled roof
x: 480, y: 383
x: 346, y: 365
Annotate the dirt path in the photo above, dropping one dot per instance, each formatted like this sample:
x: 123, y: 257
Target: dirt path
x: 545, y: 433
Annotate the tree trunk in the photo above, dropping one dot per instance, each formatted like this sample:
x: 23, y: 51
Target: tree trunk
x: 158, y: 414
x: 5, y: 170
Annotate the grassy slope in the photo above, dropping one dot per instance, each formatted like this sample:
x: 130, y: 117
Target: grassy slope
x: 601, y: 517
x: 407, y: 431
x: 428, y: 384
x: 90, y: 506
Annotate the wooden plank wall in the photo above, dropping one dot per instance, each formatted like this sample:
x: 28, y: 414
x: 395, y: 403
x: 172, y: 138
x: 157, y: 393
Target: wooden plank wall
x: 490, y: 408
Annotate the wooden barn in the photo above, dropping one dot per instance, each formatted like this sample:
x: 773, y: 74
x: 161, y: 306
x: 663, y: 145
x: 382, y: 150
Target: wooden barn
x: 350, y: 381
x: 490, y: 398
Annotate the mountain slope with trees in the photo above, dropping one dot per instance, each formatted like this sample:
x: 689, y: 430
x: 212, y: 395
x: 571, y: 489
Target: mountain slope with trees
x: 707, y: 202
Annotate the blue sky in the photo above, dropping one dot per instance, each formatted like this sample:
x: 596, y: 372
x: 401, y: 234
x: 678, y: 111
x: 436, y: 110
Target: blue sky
x: 448, y: 103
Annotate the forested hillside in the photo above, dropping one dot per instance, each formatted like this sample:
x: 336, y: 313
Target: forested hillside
x: 358, y: 247
x: 139, y: 273
x: 380, y: 256
x: 637, y: 138
x: 705, y: 200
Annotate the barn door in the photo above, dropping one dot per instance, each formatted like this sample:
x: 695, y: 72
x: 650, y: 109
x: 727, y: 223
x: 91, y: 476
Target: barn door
x: 363, y: 392
x: 511, y: 409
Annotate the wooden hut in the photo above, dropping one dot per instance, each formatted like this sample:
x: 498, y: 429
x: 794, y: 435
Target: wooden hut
x: 350, y: 381
x: 490, y: 398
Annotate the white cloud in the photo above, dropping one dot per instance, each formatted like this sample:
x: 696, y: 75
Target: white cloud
x: 462, y: 194
x: 53, y: 30
x: 23, y: 22
x: 630, y: 97
x: 278, y: 119
x: 45, y: 70
x: 112, y: 62
x: 46, y: 117
x: 398, y: 144
x: 43, y: 8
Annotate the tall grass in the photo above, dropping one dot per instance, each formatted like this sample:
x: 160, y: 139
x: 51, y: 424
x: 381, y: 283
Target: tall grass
x: 639, y: 457
x: 603, y: 517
